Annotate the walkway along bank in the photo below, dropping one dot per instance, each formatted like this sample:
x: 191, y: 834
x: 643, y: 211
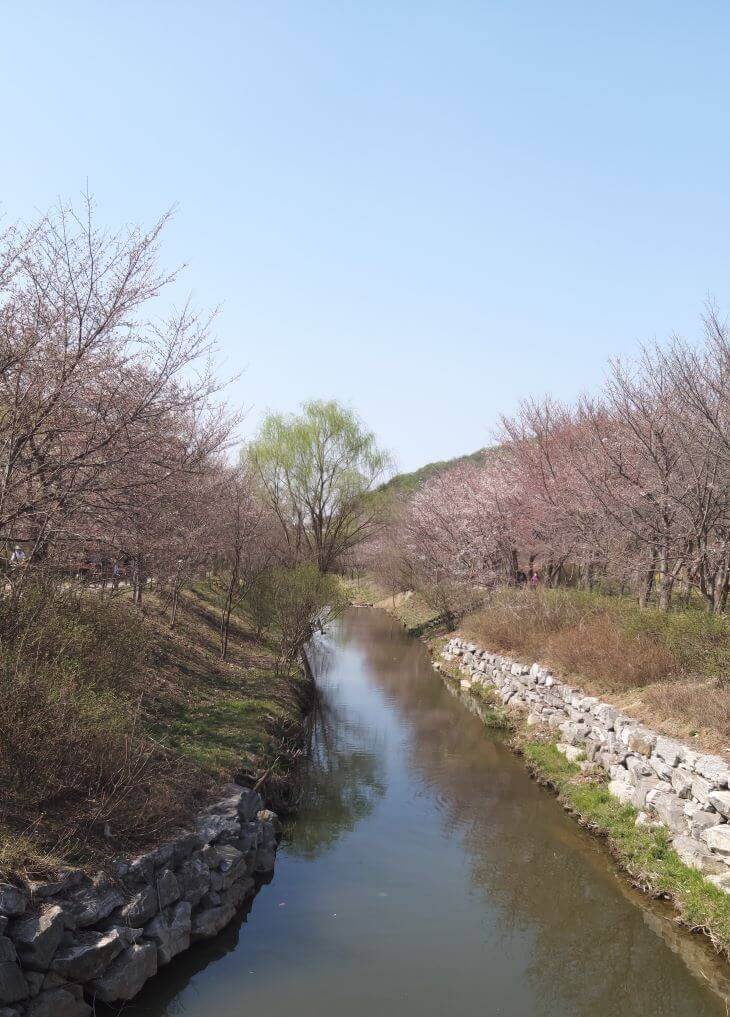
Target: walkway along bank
x: 671, y: 786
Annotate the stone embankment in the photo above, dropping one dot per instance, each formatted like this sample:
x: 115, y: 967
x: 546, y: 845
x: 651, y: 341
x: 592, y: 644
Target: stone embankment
x: 66, y: 944
x: 666, y: 781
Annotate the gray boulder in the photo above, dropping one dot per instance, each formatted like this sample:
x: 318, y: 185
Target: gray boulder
x: 622, y: 790
x: 35, y: 981
x: 681, y: 781
x: 70, y: 880
x: 91, y: 905
x: 249, y: 804
x: 66, y: 1002
x: 183, y: 846
x: 194, y: 880
x: 213, y: 828
x: 37, y: 937
x: 142, y: 906
x: 265, y: 860
x: 721, y: 881
x: 232, y: 865
x: 13, y: 901
x: 209, y: 922
x: 637, y: 767
x: 720, y: 800
x: 87, y: 957
x: 640, y: 741
x: 168, y: 889
x: 702, y: 821
x: 606, y: 714
x: 13, y: 985
x: 669, y: 810
x: 717, y: 839
x: 701, y: 788
x: 170, y: 932
x: 696, y: 856
x: 139, y: 872
x: 668, y: 750
x: 645, y: 786
x: 126, y: 975
x: 236, y: 894
x: 714, y: 769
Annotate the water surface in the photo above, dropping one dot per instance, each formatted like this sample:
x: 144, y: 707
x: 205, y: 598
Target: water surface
x: 427, y: 875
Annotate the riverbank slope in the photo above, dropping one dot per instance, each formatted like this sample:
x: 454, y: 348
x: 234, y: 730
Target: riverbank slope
x: 662, y: 807
x: 135, y: 772
x: 670, y: 670
x: 117, y: 729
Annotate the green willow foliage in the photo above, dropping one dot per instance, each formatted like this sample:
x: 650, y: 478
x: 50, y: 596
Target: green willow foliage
x: 315, y: 469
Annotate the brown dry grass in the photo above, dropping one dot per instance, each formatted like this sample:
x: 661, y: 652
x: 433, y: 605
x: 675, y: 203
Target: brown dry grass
x: 114, y: 729
x: 672, y: 671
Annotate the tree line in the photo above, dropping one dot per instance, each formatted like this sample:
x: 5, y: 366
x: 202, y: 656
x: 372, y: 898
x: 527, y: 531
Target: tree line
x: 120, y: 458
x: 629, y: 489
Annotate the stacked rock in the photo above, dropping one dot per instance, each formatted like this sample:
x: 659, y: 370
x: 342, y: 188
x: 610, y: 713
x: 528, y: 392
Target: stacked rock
x: 65, y: 944
x: 668, y: 782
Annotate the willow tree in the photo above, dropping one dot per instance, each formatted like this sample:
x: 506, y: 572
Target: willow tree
x: 318, y: 470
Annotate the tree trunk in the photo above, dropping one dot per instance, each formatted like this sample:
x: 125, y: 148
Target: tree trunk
x: 137, y: 585
x: 226, y: 615
x: 175, y: 598
x: 646, y: 583
x: 665, y: 582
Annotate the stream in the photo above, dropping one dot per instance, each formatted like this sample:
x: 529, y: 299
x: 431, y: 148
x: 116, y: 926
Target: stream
x: 426, y: 874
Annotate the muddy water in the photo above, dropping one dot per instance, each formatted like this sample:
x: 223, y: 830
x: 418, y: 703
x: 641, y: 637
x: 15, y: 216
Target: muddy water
x: 427, y: 875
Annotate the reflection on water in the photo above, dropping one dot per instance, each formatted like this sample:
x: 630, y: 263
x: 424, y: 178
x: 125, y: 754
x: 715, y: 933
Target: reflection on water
x: 342, y: 775
x: 426, y: 875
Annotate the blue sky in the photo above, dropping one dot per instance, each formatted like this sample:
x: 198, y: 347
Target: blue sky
x: 426, y: 210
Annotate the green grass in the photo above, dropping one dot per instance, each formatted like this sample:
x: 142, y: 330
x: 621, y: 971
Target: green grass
x: 699, y: 641
x: 492, y: 713
x: 236, y: 712
x: 220, y: 735
x: 645, y: 853
x: 414, y: 612
x: 362, y: 590
x: 494, y: 716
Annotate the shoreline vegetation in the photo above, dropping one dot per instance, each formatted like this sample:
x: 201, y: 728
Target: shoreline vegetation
x: 159, y: 575
x: 644, y: 854
x: 668, y: 669
x: 126, y: 727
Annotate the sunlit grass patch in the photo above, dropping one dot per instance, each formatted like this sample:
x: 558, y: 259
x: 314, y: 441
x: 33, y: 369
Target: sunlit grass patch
x: 219, y: 735
x: 644, y: 852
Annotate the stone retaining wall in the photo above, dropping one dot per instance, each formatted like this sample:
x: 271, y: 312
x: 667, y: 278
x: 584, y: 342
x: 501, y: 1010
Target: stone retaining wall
x: 64, y: 945
x: 667, y: 781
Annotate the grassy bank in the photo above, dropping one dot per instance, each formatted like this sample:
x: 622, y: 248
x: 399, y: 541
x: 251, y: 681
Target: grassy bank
x: 410, y: 608
x: 115, y: 729
x: 644, y: 853
x: 671, y: 670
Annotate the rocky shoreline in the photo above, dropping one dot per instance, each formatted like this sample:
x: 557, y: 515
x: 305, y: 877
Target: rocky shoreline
x: 668, y: 782
x: 67, y: 944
